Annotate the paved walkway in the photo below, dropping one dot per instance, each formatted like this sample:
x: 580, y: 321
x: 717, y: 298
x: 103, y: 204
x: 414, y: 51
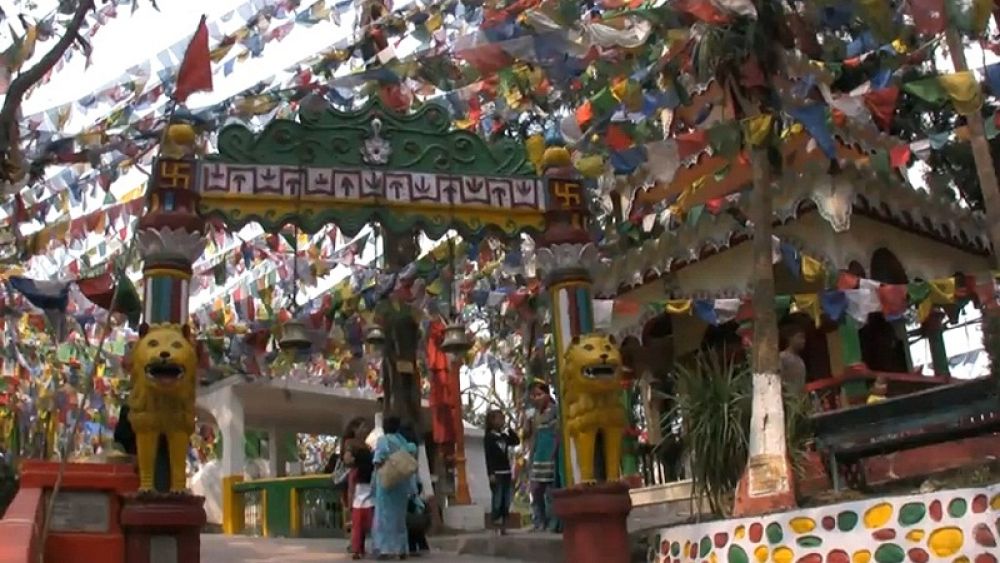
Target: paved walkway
x: 217, y: 548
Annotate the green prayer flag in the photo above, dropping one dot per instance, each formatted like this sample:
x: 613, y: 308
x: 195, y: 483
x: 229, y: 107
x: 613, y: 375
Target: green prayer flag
x: 927, y: 89
x: 917, y: 291
x: 603, y: 102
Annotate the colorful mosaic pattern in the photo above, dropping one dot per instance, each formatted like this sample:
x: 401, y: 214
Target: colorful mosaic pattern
x: 960, y: 526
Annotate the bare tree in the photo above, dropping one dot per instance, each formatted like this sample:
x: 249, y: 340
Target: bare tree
x: 12, y: 167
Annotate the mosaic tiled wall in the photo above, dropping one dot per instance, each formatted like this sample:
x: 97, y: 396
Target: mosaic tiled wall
x: 959, y: 526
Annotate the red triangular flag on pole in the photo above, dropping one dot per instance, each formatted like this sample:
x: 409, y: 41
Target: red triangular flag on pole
x: 195, y: 74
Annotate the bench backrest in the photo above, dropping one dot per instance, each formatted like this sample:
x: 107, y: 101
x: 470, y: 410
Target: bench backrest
x: 938, y: 399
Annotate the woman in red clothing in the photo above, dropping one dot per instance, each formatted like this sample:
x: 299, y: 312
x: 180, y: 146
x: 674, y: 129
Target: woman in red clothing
x: 361, y: 496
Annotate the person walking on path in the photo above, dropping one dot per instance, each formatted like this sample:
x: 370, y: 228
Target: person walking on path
x: 390, y: 537
x: 362, y: 499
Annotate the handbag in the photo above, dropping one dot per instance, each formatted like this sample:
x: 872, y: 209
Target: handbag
x: 396, y: 468
x: 340, y: 475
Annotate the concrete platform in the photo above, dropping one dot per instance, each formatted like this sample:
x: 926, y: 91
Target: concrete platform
x: 659, y: 506
x: 239, y: 549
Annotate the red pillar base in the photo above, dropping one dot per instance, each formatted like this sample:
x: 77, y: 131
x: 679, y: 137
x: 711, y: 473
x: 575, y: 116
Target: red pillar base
x: 169, y: 525
x: 747, y: 505
x: 594, y: 522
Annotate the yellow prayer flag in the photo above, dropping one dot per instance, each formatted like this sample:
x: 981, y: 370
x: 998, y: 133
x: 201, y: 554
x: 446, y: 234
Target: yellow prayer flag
x: 678, y: 306
x: 534, y: 146
x: 808, y: 303
x: 963, y: 90
x: 433, y: 23
x: 943, y: 291
x: 435, y: 287
x: 756, y: 129
x: 812, y: 269
x: 924, y: 310
x: 590, y: 166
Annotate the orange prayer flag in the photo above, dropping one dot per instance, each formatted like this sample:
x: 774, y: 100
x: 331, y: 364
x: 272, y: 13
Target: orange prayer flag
x: 584, y: 114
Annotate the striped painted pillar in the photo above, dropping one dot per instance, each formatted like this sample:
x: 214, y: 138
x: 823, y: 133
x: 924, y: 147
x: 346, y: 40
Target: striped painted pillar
x: 571, y: 301
x: 166, y: 295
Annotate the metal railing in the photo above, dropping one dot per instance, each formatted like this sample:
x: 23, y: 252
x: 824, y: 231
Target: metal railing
x: 321, y: 513
x: 253, y: 512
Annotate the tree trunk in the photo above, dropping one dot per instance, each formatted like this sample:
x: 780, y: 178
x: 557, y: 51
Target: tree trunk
x: 401, y: 386
x: 9, y: 132
x: 767, y: 481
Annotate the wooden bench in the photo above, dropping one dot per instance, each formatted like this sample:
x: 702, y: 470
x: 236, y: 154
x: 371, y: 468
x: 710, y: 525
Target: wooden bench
x: 950, y: 412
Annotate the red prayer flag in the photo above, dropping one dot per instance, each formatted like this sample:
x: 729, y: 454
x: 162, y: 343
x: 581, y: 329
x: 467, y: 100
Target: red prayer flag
x: 703, y: 10
x: 617, y: 138
x: 691, y: 143
x: 195, y: 74
x: 899, y: 156
x: 928, y: 16
x: 882, y: 104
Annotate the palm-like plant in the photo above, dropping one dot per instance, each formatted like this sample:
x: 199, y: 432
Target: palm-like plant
x: 711, y: 411
x: 711, y: 407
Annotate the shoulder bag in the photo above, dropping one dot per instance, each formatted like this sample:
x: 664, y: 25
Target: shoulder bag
x: 396, y: 468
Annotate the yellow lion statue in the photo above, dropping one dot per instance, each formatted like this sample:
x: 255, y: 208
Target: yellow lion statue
x: 592, y: 402
x: 164, y: 373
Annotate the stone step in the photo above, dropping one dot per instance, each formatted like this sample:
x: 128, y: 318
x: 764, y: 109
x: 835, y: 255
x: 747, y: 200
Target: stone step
x: 520, y: 545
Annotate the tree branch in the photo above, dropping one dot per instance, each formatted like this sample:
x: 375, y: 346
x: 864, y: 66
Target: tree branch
x: 9, y: 134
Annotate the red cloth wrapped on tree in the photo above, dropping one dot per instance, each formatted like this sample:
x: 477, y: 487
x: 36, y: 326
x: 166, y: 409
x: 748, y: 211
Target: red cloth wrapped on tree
x: 444, y: 399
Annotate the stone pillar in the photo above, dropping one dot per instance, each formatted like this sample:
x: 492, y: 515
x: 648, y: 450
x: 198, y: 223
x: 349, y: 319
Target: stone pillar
x: 594, y: 520
x: 277, y: 452
x: 229, y: 416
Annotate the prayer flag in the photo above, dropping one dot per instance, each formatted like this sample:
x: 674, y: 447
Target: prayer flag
x: 195, y: 74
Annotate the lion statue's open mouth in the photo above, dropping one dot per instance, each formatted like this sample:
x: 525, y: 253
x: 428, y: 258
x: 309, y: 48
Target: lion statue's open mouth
x: 600, y: 371
x: 165, y: 372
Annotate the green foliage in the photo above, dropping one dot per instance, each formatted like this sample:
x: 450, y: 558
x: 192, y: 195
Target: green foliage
x: 712, y: 402
x: 712, y: 406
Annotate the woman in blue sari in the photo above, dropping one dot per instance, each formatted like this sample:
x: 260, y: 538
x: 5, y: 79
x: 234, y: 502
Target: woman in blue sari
x: 389, y: 533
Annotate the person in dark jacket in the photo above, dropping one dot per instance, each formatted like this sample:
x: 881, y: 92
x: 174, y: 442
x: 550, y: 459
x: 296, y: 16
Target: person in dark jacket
x: 418, y: 522
x: 417, y: 516
x: 124, y: 435
x: 497, y: 445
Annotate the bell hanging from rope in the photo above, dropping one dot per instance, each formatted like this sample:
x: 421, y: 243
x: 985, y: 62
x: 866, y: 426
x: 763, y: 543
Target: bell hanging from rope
x: 455, y: 343
x: 375, y: 337
x: 294, y: 337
